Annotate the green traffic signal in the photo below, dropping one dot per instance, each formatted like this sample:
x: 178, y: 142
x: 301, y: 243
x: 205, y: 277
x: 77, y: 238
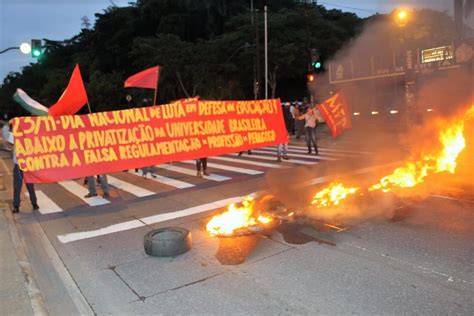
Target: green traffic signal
x: 316, y: 64
x: 36, y: 51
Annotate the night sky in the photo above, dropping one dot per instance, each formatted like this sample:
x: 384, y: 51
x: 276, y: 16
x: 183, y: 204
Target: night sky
x: 22, y: 20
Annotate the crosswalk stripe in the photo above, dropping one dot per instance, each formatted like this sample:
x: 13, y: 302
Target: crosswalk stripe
x: 128, y: 187
x: 294, y: 161
x: 248, y: 162
x: 304, y: 150
x: 335, y: 150
x: 47, y: 206
x: 298, y: 155
x: 228, y: 168
x: 213, y: 177
x: 165, y: 180
x: 79, y: 191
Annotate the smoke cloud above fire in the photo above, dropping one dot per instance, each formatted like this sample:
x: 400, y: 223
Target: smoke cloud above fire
x: 370, y: 72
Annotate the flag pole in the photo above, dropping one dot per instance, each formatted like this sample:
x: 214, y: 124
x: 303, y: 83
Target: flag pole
x: 89, y: 107
x: 154, y: 98
x: 156, y: 88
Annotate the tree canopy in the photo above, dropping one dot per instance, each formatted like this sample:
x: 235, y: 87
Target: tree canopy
x: 206, y: 48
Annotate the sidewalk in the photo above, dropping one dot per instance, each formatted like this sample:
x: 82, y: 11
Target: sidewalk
x: 18, y: 284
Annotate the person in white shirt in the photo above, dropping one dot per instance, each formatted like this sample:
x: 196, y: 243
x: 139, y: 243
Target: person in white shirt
x: 311, y: 120
x: 18, y: 176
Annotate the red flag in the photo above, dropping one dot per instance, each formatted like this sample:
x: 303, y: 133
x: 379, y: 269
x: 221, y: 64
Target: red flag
x: 336, y: 114
x: 73, y: 98
x: 147, y: 78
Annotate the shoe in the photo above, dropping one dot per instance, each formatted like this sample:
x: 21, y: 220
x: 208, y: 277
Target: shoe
x: 106, y: 195
x: 249, y: 152
x: 206, y: 173
x: 89, y: 195
x: 16, y: 210
x: 35, y: 207
x: 240, y: 154
x: 286, y: 157
x: 153, y: 175
x: 144, y: 176
x: 199, y: 174
x: 278, y: 159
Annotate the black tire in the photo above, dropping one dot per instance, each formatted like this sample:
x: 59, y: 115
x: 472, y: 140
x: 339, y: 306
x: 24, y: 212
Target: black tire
x: 167, y: 242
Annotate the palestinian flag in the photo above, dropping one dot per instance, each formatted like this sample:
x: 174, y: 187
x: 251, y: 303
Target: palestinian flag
x: 32, y: 106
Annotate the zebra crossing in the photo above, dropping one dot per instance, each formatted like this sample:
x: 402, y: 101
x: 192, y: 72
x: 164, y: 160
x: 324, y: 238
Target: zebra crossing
x: 182, y: 175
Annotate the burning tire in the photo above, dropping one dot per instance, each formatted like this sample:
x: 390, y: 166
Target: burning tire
x: 167, y: 242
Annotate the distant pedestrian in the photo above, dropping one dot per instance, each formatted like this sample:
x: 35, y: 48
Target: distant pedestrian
x: 282, y: 150
x: 18, y: 176
x: 201, y: 167
x: 248, y: 152
x: 92, y: 186
x: 149, y: 170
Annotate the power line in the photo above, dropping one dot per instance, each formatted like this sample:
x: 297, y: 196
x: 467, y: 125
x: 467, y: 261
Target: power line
x: 347, y: 7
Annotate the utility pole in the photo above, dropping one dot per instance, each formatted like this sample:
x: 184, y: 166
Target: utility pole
x: 266, y: 51
x: 257, y: 49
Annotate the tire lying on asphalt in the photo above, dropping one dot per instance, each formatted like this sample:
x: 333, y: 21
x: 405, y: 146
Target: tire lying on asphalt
x: 167, y: 242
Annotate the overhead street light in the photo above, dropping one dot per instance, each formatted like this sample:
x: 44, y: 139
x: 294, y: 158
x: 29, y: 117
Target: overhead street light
x: 25, y: 48
x: 401, y: 16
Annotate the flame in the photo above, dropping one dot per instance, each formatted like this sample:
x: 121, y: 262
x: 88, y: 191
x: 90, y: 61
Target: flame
x: 236, y: 217
x: 414, y: 172
x: 332, y: 195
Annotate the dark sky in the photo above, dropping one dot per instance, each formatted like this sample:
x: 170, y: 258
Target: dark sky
x: 22, y: 20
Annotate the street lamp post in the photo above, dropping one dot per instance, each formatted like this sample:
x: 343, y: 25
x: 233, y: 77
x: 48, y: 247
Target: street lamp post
x: 25, y: 48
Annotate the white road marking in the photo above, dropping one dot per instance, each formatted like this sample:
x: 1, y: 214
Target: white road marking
x: 165, y: 180
x: 248, y: 162
x: 229, y: 168
x: 46, y: 205
x: 213, y: 177
x: 298, y: 155
x: 304, y: 150
x: 79, y: 191
x: 335, y: 150
x: 128, y: 187
x: 296, y: 161
x: 147, y: 220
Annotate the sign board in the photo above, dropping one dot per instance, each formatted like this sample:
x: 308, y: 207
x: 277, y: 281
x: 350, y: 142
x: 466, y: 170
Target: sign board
x: 436, y: 54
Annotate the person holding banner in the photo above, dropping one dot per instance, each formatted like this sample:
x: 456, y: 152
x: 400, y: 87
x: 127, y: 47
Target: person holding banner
x: 18, y: 176
x: 104, y: 184
x: 201, y: 166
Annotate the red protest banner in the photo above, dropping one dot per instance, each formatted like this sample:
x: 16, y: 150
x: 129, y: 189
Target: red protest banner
x: 336, y: 114
x: 51, y: 149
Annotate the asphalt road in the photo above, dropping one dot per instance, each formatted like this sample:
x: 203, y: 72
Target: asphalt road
x: 90, y: 259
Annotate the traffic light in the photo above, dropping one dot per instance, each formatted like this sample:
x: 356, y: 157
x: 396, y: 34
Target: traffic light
x: 310, y: 77
x: 36, y: 50
x: 316, y: 63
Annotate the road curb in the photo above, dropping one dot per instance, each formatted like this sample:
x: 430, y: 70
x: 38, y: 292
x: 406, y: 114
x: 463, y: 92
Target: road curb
x: 36, y: 299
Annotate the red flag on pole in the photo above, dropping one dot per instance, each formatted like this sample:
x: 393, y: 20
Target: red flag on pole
x: 336, y: 114
x: 73, y: 98
x: 147, y: 78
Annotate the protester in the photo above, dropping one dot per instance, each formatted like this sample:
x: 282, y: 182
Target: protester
x: 149, y: 170
x: 103, y: 184
x: 299, y: 124
x: 293, y: 118
x: 282, y: 150
x: 201, y: 166
x: 18, y: 176
x: 248, y: 152
x: 310, y: 128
